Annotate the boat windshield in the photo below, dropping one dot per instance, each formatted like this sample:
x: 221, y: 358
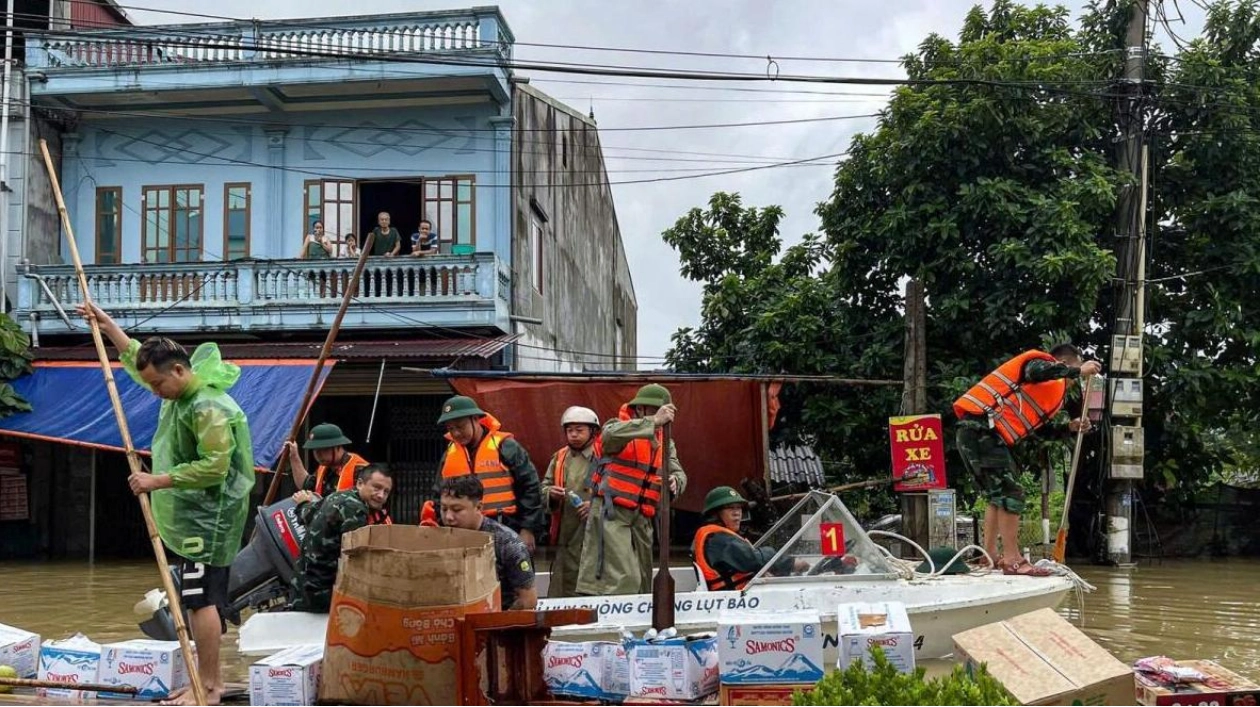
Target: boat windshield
x: 819, y: 537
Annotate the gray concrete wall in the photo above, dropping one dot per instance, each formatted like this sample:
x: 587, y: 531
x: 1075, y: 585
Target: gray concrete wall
x: 587, y: 303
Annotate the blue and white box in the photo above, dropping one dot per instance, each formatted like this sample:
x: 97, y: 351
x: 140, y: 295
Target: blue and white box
x: 597, y: 670
x: 673, y: 669
x: 73, y: 660
x: 19, y: 650
x: 760, y: 648
x: 290, y: 677
x: 155, y: 668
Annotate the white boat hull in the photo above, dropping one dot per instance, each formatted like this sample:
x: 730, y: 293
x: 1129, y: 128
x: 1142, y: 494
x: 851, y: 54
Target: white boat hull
x: 938, y: 608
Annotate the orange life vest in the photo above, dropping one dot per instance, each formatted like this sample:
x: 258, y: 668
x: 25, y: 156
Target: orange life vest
x: 1015, y: 408
x: 380, y: 517
x: 428, y: 514
x: 715, y: 580
x: 345, y: 476
x: 632, y: 478
x: 496, y: 478
x: 561, y: 480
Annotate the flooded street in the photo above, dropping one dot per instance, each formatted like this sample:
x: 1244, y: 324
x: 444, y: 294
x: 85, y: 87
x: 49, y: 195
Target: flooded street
x: 1184, y: 609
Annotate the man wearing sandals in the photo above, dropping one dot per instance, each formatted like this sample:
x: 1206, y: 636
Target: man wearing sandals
x: 1000, y: 411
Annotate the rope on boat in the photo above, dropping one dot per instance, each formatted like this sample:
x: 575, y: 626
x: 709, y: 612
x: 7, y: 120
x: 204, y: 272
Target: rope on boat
x: 908, y: 569
x: 1080, y: 587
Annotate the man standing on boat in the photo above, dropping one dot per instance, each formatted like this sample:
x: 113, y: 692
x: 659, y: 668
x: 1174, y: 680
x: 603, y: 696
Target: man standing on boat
x: 626, y: 487
x: 203, y: 472
x: 478, y: 446
x: 334, y: 516
x: 997, y: 413
x: 567, y: 488
x: 726, y: 559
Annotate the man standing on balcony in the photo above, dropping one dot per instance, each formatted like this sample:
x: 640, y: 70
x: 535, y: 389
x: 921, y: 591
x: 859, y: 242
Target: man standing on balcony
x: 513, y: 495
x: 203, y: 472
x: 386, y: 239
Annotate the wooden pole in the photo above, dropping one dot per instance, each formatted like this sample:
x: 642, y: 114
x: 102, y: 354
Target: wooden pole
x: 869, y: 483
x: 1059, y: 553
x: 663, y: 586
x: 282, y: 464
x: 133, y: 459
x: 85, y: 686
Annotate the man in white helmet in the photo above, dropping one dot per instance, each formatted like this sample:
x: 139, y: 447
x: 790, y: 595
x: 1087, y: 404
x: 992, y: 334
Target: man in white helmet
x: 566, y: 486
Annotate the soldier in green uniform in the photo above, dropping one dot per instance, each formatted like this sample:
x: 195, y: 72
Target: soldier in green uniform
x: 333, y: 517
x: 566, y: 485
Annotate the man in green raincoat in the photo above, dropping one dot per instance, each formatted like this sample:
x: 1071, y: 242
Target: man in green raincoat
x: 203, y: 472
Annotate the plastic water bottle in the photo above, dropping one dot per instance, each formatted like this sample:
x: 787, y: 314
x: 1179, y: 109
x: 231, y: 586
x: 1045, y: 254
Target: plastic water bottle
x: 668, y: 633
x: 650, y: 635
x: 574, y: 499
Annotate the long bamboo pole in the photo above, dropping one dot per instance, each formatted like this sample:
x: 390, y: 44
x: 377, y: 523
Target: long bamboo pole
x: 133, y: 459
x: 85, y: 686
x: 282, y: 464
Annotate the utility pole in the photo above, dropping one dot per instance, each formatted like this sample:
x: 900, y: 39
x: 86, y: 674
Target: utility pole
x: 1125, y: 440
x: 915, y: 506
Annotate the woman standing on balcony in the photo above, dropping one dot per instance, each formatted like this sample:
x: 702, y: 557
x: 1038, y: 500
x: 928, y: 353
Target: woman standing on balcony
x: 316, y: 245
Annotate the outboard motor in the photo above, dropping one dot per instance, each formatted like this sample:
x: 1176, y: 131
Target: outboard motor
x: 261, y: 576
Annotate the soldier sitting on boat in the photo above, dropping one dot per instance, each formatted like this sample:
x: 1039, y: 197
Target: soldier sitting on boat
x: 333, y: 517
x: 725, y: 558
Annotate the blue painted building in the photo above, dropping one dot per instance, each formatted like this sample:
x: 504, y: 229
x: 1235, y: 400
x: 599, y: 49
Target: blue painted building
x: 194, y: 160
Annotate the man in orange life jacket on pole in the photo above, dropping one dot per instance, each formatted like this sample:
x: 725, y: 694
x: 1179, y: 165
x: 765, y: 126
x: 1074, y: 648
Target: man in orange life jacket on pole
x: 626, y: 483
x: 726, y: 559
x: 1004, y: 408
x: 513, y: 493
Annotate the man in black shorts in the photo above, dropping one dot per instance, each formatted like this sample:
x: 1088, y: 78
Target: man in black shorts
x: 461, y: 508
x: 203, y: 472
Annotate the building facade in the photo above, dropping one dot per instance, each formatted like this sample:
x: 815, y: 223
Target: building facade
x: 194, y: 159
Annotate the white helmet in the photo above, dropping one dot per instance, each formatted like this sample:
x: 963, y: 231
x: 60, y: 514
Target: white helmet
x: 579, y: 416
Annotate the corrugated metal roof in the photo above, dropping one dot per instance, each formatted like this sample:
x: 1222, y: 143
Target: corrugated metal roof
x: 409, y: 350
x: 796, y: 465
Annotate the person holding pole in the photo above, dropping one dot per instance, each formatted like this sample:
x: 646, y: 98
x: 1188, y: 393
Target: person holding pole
x: 203, y: 472
x: 1005, y: 407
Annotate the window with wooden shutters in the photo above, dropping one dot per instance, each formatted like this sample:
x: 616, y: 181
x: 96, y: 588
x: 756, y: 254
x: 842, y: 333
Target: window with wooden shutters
x: 236, y: 214
x: 173, y: 223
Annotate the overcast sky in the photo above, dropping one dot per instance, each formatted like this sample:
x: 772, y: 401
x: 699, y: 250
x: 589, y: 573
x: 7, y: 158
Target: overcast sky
x: 812, y: 28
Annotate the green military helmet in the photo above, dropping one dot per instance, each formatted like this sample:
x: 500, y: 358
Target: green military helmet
x: 459, y: 406
x: 325, y: 436
x: 721, y: 497
x: 941, y: 555
x: 652, y: 395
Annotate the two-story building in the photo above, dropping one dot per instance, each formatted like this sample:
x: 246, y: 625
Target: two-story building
x: 194, y: 159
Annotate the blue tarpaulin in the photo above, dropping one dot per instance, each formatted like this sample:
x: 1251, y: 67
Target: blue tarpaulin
x: 71, y: 404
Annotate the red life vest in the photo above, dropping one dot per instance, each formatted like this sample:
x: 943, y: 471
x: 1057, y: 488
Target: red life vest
x: 715, y: 580
x: 631, y: 479
x: 496, y: 478
x: 1016, y: 408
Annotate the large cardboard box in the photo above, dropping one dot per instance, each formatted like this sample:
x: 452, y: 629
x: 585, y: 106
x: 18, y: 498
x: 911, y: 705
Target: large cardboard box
x: 673, y: 669
x: 155, y: 668
x: 883, y: 624
x: 392, y: 633
x: 1041, y: 659
x: 770, y: 647
x: 740, y: 695
x: 1226, y: 688
x: 598, y: 670
x: 290, y: 677
x: 73, y: 660
x: 19, y: 649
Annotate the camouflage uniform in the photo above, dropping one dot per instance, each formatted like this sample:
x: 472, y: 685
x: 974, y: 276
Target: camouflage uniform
x: 340, y: 513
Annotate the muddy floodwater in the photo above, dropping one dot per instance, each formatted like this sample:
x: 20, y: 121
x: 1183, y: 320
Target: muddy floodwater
x: 1183, y: 609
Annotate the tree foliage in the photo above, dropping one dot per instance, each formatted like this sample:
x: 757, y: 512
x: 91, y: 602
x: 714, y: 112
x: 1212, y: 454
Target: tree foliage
x: 15, y: 362
x: 997, y: 190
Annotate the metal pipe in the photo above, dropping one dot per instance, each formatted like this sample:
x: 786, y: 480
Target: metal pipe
x: 52, y: 298
x: 4, y: 157
x: 92, y: 513
x: 525, y: 320
x: 375, y: 400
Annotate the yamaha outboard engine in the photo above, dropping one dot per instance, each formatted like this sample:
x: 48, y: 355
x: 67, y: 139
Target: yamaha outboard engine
x: 261, y: 576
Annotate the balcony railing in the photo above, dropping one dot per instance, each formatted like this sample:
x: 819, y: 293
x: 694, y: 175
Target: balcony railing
x: 368, y: 37
x: 256, y: 294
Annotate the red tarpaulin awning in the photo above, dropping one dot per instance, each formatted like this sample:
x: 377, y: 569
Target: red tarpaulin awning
x: 719, y: 432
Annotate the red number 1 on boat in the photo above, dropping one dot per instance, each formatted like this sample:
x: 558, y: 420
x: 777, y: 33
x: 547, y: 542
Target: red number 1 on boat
x: 832, y: 538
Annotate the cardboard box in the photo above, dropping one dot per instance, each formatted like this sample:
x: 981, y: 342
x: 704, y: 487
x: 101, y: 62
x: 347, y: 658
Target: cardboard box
x: 673, y: 669
x: 886, y: 624
x: 155, y: 668
x: 290, y: 677
x: 392, y: 632
x: 1226, y: 688
x: 73, y: 660
x: 1041, y: 659
x: 19, y: 649
x: 760, y: 694
x: 598, y: 670
x: 770, y: 648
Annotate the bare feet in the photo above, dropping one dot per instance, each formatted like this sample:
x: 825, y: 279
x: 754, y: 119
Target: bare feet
x: 185, y: 696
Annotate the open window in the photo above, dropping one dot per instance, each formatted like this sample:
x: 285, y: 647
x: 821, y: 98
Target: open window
x: 346, y: 206
x: 820, y: 530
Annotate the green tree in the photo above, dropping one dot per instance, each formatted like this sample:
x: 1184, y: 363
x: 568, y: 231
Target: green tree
x: 15, y: 362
